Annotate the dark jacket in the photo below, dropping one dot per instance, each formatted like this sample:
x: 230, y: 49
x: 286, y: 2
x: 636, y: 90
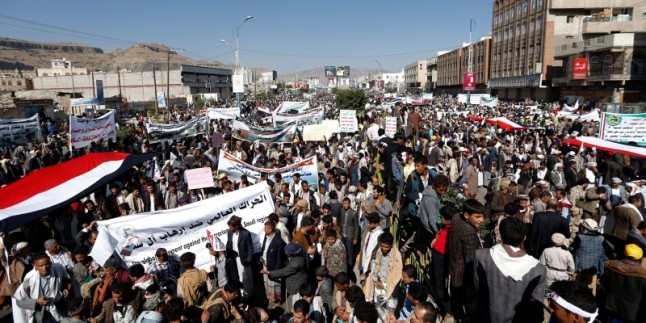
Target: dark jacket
x: 275, y: 252
x: 350, y: 224
x: 294, y: 273
x: 544, y: 225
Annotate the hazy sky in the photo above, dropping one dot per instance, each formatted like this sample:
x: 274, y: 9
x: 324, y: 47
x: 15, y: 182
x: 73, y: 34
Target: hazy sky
x: 283, y: 35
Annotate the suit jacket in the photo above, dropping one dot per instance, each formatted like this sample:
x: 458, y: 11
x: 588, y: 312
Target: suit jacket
x: 471, y: 175
x: 544, y: 224
x: 294, y: 273
x: 245, y: 248
x: 325, y: 291
x: 625, y: 219
x: 350, y: 225
x: 570, y: 177
x: 275, y: 252
x: 147, y: 197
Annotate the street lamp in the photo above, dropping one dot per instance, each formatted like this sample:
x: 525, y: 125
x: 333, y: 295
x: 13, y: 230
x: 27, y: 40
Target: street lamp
x: 237, y: 29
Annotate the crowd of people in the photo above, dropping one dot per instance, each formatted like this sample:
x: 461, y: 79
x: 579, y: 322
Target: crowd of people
x: 449, y: 220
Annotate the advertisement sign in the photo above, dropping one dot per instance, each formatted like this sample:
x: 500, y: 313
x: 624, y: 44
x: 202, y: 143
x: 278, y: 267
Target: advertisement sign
x: 234, y: 168
x: 158, y: 132
x: 19, y: 131
x: 580, y: 68
x: 238, y: 83
x: 136, y: 238
x: 161, y: 99
x: 469, y: 83
x: 99, y: 91
x: 330, y: 71
x: 343, y: 71
x: 85, y: 131
x: 391, y: 126
x: 348, y: 120
x: 199, y: 178
x: 624, y: 128
x: 242, y: 131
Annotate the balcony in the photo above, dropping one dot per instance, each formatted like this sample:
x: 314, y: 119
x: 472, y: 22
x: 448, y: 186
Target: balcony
x: 605, y: 42
x: 578, y: 4
x: 607, y: 25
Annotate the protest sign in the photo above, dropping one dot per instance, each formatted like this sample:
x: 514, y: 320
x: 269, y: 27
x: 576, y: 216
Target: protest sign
x: 286, y: 107
x: 321, y: 132
x: 19, y: 131
x: 348, y: 120
x: 310, y: 117
x: 242, y: 131
x: 199, y: 177
x: 234, y: 168
x: 624, y: 128
x: 160, y: 132
x: 391, y: 126
x: 135, y: 238
x: 85, y: 131
x: 223, y: 113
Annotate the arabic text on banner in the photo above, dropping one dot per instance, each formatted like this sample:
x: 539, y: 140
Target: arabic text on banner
x: 286, y: 106
x: 85, y: 131
x: 321, y: 132
x: 310, y: 117
x: 242, y: 131
x: 19, y: 131
x: 135, y: 238
x: 624, y: 128
x: 159, y: 132
x: 348, y: 120
x: 223, y: 113
x: 391, y: 126
x: 234, y: 168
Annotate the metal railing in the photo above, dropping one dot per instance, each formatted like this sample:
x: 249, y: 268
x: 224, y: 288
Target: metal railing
x: 626, y: 18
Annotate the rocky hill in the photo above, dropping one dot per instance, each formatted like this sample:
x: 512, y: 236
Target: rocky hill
x: 26, y: 55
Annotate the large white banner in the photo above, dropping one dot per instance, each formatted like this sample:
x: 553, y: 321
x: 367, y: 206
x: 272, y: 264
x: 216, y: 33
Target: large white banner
x: 348, y: 120
x: 624, y: 128
x: 475, y: 97
x: 287, y: 106
x: 158, y: 132
x: 234, y: 168
x: 19, y: 131
x: 489, y: 102
x: 135, y: 238
x: 223, y: 113
x: 85, y: 131
x: 309, y: 117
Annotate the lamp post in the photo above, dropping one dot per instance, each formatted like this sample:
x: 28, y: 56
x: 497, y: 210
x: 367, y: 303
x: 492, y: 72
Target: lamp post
x: 237, y: 29
x: 472, y: 23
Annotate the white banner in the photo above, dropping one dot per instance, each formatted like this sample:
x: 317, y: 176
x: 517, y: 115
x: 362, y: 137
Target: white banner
x: 590, y: 116
x: 135, y: 238
x: 624, y: 128
x: 85, y: 131
x: 391, y: 126
x: 348, y: 121
x: 161, y: 99
x: 238, y: 83
x: 287, y: 106
x: 489, y: 102
x: 321, y: 132
x: 475, y: 97
x: 158, y: 132
x: 19, y: 131
x: 310, y: 117
x: 223, y: 113
x: 199, y: 177
x: 234, y: 168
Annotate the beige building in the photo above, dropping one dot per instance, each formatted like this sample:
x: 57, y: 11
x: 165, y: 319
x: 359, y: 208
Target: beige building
x: 16, y: 80
x: 415, y: 75
x: 611, y: 37
x: 61, y: 67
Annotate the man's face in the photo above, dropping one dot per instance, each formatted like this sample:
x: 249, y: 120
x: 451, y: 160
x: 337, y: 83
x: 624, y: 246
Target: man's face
x: 372, y: 226
x: 440, y: 189
x: 421, y: 168
x: 305, y: 187
x: 345, y: 204
x: 475, y: 219
x: 523, y: 203
x: 331, y: 241
x: 407, y: 279
x: 54, y: 248
x: 385, y: 248
x: 560, y: 314
x: 89, y: 206
x: 229, y: 296
x: 341, y: 287
x: 299, y: 317
x: 149, y: 188
x: 268, y: 230
x: 118, y: 297
x: 324, y: 212
x: 91, y: 238
x: 44, y: 266
x: 135, y: 193
x: 417, y: 316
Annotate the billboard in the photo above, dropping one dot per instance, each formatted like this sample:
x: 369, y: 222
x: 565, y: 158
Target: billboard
x: 330, y: 71
x: 343, y: 71
x: 469, y: 82
x: 380, y: 84
x: 580, y: 68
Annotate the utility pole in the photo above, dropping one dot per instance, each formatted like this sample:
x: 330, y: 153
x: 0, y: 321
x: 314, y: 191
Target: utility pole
x: 470, y: 62
x: 170, y: 53
x: 155, y: 83
x: 119, y: 80
x: 237, y: 29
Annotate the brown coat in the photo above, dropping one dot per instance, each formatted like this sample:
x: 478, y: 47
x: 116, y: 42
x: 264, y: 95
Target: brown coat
x: 395, y: 266
x: 471, y: 175
x: 625, y: 219
x: 413, y: 121
x: 299, y: 237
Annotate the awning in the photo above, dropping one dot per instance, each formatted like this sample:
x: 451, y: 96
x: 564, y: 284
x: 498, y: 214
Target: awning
x: 47, y: 189
x: 606, y: 145
x: 500, y: 122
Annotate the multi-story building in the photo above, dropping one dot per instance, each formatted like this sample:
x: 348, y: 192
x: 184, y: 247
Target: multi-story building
x: 61, y: 67
x: 452, y: 65
x: 608, y: 41
x: 16, y: 80
x: 415, y: 75
x: 187, y: 81
x: 392, y: 80
x: 522, y: 49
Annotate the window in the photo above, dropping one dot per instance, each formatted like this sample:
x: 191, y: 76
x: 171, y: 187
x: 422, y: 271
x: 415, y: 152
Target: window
x: 522, y: 29
x: 519, y: 9
x: 533, y: 4
x: 608, y: 62
x: 637, y: 64
x: 525, y: 7
x: 511, y: 14
x: 569, y: 37
x: 569, y: 19
x: 540, y: 4
x: 19, y: 83
x: 9, y: 83
x: 539, y: 22
x: 4, y: 83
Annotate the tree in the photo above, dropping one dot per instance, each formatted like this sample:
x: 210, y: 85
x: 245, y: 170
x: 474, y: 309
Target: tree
x: 351, y: 99
x: 199, y: 103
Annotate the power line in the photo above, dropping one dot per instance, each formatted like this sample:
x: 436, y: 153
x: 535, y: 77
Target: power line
x: 347, y: 56
x: 58, y: 33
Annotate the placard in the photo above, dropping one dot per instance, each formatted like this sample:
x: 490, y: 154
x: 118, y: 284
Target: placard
x: 348, y: 120
x: 391, y: 126
x: 199, y: 178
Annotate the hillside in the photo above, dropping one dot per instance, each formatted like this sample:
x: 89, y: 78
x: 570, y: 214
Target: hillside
x: 24, y: 55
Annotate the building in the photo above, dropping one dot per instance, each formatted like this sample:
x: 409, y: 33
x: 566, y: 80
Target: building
x: 393, y: 80
x: 415, y: 75
x: 186, y: 83
x: 452, y: 65
x: 607, y: 42
x: 61, y: 67
x: 522, y: 49
x: 16, y: 80
x: 268, y: 77
x: 431, y: 75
